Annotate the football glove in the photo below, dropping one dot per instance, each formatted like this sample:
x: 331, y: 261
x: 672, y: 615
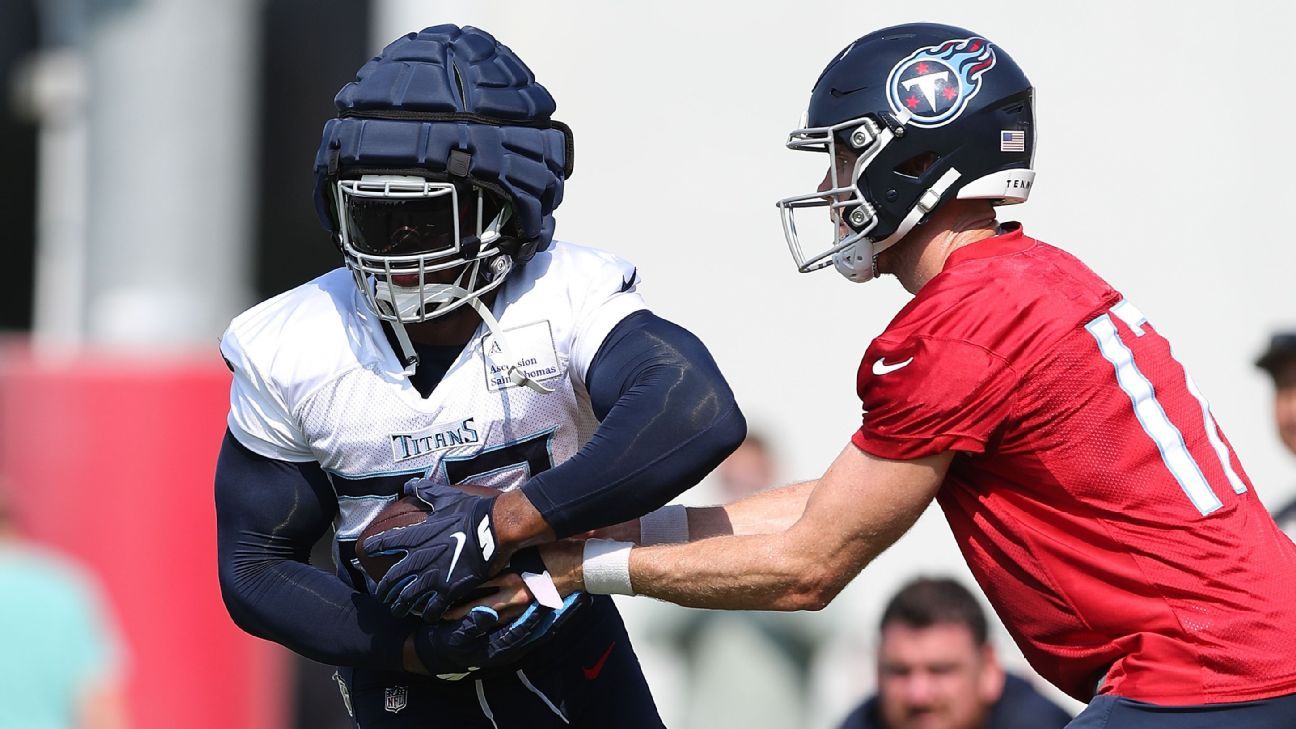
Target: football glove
x: 452, y: 651
x: 444, y: 557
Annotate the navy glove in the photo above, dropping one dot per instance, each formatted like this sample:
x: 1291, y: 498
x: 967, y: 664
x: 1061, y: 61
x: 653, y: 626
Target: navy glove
x: 550, y: 621
x: 452, y: 651
x: 445, y: 556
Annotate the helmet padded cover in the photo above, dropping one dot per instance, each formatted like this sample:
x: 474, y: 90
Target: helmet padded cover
x: 449, y: 70
x: 417, y: 72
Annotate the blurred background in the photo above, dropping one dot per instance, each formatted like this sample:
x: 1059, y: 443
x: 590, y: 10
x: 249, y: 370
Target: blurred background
x: 157, y: 180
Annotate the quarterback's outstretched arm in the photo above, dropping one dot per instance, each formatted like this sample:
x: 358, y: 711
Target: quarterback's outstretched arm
x: 855, y: 511
x: 765, y: 512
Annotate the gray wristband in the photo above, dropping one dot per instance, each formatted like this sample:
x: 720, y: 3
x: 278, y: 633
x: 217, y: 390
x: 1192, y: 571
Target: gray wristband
x: 667, y: 525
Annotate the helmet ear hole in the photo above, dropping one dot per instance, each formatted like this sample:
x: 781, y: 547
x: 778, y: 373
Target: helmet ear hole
x: 916, y: 165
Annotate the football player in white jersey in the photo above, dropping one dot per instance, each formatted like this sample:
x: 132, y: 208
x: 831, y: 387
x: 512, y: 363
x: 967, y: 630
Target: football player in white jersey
x: 459, y: 344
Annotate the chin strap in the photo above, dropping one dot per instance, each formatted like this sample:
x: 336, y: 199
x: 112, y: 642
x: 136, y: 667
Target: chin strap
x: 454, y: 296
x: 409, y: 357
x: 850, y: 261
x: 927, y: 202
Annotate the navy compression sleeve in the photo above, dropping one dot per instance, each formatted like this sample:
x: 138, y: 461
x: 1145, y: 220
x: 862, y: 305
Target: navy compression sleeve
x: 268, y: 514
x: 668, y: 418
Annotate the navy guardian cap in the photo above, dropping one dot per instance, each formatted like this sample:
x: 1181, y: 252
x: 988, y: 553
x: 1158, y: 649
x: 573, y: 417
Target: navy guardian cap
x: 440, y: 173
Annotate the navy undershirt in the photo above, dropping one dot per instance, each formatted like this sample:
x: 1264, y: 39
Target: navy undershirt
x: 434, y: 362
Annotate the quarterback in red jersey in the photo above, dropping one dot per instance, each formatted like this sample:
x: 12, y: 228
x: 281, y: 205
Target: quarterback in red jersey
x: 1082, y: 472
x: 1092, y: 494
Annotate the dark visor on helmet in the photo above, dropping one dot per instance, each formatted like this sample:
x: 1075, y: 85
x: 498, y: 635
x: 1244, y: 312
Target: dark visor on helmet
x: 409, y: 226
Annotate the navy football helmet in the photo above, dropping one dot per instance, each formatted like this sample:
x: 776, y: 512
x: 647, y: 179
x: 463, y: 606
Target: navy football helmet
x: 910, y: 116
x: 443, y: 157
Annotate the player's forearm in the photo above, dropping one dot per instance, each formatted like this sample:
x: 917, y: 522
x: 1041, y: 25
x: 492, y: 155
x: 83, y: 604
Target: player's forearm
x: 518, y: 524
x: 766, y: 512
x: 859, y: 508
x: 268, y: 514
x: 312, y: 613
x: 753, y: 572
x: 756, y: 572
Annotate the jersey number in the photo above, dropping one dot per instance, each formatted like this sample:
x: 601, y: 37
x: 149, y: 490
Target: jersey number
x: 1168, y: 438
x: 533, y: 453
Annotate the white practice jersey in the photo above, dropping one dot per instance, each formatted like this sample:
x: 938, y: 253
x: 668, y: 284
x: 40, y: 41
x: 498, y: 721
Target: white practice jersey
x: 315, y: 379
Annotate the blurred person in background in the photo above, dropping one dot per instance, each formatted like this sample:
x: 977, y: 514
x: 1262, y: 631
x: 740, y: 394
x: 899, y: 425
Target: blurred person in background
x: 750, y: 469
x: 1081, y: 471
x: 460, y: 344
x: 60, y: 655
x: 937, y: 669
x: 1279, y: 360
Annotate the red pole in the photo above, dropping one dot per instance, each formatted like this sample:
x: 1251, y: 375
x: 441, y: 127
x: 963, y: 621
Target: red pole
x: 110, y: 459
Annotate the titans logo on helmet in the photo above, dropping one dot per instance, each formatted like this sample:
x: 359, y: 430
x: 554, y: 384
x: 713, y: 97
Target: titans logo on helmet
x: 935, y: 84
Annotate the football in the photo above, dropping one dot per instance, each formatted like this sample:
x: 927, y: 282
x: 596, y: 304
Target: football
x: 403, y: 512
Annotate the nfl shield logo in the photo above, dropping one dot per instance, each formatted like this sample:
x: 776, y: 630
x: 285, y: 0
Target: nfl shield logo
x: 396, y: 698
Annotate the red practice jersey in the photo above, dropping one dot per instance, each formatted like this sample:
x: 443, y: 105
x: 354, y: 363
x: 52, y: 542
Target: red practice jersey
x: 1093, y: 495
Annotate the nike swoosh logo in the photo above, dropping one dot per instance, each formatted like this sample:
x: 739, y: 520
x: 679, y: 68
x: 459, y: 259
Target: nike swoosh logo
x: 628, y: 283
x: 593, y: 671
x: 880, y: 367
x: 459, y: 538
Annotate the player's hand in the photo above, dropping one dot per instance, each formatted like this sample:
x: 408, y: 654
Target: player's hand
x: 504, y: 593
x: 564, y: 561
x: 507, y: 593
x: 444, y: 556
x: 453, y: 650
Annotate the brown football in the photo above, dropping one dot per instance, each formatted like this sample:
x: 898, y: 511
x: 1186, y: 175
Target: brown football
x: 403, y: 512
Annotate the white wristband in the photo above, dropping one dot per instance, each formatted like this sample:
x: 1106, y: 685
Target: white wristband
x: 667, y: 525
x: 606, y: 565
